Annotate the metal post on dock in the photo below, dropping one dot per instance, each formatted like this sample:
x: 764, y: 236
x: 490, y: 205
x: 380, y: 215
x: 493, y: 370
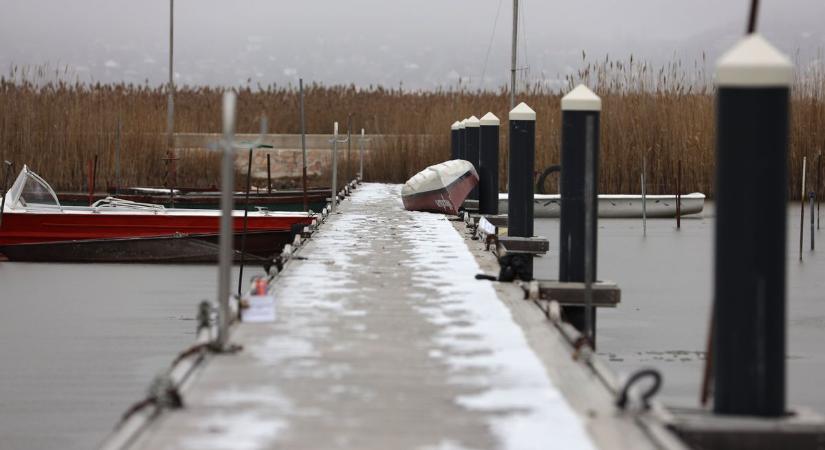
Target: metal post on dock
x: 520, y: 173
x: 303, y: 145
x: 580, y: 110
x: 361, y: 141
x: 347, y: 172
x: 225, y: 244
x: 454, y: 130
x: 462, y: 139
x: 473, y: 130
x: 488, y: 165
x: 752, y: 121
x: 334, y: 190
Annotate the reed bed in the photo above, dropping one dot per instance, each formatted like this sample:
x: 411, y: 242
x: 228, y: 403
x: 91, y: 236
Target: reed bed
x: 663, y: 114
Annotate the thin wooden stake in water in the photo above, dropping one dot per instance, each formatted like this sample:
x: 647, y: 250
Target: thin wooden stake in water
x: 802, y: 208
x: 818, y: 189
x: 644, y: 196
x: 811, y: 200
x: 679, y: 195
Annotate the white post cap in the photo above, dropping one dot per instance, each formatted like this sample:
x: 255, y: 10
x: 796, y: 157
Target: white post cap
x: 522, y: 112
x: 754, y: 62
x: 581, y: 98
x: 472, y: 122
x: 462, y: 124
x: 489, y: 119
x: 456, y: 125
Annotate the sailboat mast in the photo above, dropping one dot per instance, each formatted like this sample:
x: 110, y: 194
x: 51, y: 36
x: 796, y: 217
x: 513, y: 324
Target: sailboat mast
x: 513, y: 57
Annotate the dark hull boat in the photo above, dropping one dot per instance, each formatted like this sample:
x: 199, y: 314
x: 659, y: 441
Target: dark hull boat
x: 36, y: 227
x: 441, y: 188
x: 259, y: 247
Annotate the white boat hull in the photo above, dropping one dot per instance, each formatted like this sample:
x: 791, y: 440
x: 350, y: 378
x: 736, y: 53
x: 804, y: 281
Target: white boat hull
x: 613, y: 206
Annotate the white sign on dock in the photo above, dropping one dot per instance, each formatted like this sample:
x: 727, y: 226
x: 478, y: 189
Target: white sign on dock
x: 260, y: 308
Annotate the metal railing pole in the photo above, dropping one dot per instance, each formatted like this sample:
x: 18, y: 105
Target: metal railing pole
x: 225, y: 243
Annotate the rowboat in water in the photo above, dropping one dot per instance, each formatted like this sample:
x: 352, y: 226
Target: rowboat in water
x: 612, y: 205
x: 35, y: 226
x: 282, y: 200
x: 441, y: 188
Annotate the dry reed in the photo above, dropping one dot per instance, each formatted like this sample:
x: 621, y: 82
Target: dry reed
x: 665, y: 113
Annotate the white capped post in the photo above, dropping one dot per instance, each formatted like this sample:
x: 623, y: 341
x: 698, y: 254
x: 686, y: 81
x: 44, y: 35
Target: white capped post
x: 752, y: 125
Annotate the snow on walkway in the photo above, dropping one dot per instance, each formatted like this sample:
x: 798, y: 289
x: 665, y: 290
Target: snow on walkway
x: 384, y: 339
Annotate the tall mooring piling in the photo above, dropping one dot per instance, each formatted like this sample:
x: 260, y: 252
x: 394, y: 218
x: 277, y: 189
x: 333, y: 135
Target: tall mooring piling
x: 488, y: 165
x: 752, y: 121
x: 520, y: 172
x: 473, y: 130
x: 454, y: 138
x: 579, y: 135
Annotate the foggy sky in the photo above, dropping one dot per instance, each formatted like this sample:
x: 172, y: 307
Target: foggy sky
x: 420, y: 44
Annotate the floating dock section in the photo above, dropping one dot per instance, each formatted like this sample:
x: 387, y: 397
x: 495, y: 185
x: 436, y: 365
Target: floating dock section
x: 385, y: 339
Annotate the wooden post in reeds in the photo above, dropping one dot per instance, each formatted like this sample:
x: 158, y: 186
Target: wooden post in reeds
x: 802, y: 207
x: 488, y: 165
x: 473, y: 130
x: 752, y: 122
x: 580, y: 110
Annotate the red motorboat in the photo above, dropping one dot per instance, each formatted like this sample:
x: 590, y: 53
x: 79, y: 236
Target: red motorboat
x: 441, y: 188
x: 32, y: 215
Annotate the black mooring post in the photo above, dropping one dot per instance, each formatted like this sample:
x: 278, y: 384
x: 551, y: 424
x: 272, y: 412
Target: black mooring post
x: 488, y: 165
x: 520, y: 173
x: 462, y: 139
x: 454, y: 140
x: 752, y: 121
x: 579, y: 108
x: 473, y: 130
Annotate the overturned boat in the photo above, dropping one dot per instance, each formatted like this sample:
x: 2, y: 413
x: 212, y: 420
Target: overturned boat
x: 34, y: 226
x: 441, y: 188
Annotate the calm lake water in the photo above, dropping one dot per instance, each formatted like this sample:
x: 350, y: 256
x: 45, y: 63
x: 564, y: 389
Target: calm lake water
x: 80, y: 343
x: 666, y: 280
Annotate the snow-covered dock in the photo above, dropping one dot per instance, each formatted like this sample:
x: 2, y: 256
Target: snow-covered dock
x: 384, y: 339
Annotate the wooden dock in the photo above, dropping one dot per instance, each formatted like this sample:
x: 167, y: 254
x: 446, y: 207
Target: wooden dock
x: 384, y: 339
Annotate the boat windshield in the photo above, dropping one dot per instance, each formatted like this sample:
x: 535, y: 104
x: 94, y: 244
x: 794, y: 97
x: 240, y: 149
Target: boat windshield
x: 30, y: 191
